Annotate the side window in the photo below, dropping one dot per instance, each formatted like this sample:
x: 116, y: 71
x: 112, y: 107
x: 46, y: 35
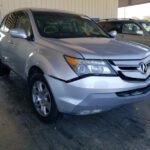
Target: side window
x: 112, y: 26
x: 131, y: 28
x: 102, y: 24
x: 10, y: 22
x: 23, y: 22
x: 117, y: 26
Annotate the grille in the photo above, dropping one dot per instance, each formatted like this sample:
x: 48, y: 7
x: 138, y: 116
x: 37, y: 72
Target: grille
x: 130, y: 69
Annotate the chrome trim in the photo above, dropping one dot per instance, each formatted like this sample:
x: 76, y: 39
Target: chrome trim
x: 130, y: 69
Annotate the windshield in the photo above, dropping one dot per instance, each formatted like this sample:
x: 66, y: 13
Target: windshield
x: 62, y: 25
x: 146, y: 26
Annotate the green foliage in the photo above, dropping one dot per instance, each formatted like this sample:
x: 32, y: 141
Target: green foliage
x: 136, y: 18
x: 147, y: 18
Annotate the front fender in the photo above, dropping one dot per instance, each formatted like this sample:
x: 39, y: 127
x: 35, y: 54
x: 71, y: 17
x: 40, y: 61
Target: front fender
x: 52, y: 63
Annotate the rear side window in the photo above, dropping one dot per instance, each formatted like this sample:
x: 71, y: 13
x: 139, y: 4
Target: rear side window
x: 111, y: 26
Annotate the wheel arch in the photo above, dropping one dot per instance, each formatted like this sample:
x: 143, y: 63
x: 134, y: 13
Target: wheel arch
x: 34, y: 70
x: 38, y: 63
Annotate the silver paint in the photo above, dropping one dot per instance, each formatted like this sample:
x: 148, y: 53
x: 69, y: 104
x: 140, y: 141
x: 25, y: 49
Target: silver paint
x: 90, y: 94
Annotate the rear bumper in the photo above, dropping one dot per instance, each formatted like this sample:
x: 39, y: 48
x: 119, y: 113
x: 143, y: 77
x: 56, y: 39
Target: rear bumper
x: 94, y: 94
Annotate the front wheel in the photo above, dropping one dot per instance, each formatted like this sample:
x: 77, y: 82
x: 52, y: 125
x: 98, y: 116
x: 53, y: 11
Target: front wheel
x: 42, y: 98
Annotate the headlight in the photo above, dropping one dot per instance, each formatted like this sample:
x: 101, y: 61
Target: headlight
x: 93, y: 67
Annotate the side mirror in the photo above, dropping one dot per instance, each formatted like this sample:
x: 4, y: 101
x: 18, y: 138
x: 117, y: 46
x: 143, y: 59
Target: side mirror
x: 18, y: 33
x: 140, y: 32
x: 113, y: 33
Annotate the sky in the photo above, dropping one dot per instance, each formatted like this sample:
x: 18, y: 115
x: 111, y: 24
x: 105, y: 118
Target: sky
x: 134, y: 11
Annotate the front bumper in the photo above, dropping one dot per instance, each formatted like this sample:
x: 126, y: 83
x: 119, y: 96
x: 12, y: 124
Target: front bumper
x: 95, y: 94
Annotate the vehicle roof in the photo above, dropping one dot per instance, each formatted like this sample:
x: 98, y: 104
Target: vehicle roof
x: 46, y: 10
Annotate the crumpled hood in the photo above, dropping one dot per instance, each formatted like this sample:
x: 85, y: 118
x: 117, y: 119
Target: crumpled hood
x: 104, y: 48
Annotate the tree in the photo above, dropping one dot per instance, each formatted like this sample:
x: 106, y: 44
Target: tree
x: 146, y: 18
x: 136, y: 18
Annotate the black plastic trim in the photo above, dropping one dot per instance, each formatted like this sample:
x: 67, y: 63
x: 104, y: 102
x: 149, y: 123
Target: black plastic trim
x: 128, y: 68
x: 135, y: 92
x: 131, y: 79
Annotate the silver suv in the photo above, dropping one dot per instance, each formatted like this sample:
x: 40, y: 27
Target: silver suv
x: 128, y: 29
x: 71, y: 65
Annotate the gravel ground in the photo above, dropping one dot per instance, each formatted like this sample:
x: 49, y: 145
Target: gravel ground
x: 124, y: 128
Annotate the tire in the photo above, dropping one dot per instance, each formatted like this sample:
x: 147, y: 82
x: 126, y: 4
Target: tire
x: 4, y: 70
x: 42, y: 98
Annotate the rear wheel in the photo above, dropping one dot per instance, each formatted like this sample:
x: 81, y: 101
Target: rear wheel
x: 4, y: 70
x: 42, y: 98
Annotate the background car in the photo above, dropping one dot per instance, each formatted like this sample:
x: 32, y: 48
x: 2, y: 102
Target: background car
x: 128, y: 29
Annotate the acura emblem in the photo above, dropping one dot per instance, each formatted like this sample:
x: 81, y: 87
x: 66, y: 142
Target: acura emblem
x: 142, y: 68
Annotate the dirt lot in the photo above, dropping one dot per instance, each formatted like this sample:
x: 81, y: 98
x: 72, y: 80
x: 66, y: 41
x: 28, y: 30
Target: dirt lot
x: 125, y: 128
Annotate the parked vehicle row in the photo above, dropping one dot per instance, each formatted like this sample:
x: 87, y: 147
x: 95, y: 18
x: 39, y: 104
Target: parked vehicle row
x: 128, y: 29
x: 70, y: 64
